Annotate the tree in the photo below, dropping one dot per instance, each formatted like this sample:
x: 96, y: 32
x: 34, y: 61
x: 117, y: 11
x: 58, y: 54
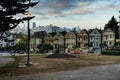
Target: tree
x: 47, y: 47
x: 113, y: 24
x: 22, y: 44
x: 117, y: 43
x: 8, y: 11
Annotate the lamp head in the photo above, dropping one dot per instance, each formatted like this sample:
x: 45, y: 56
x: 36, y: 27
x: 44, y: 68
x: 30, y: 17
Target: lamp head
x: 28, y: 15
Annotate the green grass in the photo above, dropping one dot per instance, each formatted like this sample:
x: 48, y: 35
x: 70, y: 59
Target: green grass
x: 38, y: 54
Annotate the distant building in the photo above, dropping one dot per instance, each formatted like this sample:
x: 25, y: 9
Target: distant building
x: 77, y: 29
x: 8, y: 41
x: 34, y: 25
x: 19, y: 30
x: 56, y: 29
x: 66, y: 29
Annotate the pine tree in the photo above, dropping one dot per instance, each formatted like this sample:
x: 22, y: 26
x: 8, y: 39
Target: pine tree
x: 113, y: 24
x: 8, y: 11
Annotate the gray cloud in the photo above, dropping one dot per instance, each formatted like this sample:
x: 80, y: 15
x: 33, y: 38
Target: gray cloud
x: 62, y: 8
x: 107, y: 4
x: 43, y: 17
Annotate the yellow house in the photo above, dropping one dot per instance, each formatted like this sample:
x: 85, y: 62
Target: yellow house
x: 70, y: 40
x: 108, y: 38
x: 49, y: 39
x: 82, y: 39
x: 58, y: 40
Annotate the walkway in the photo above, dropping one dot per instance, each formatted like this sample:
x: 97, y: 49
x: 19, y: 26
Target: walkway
x: 106, y: 72
x: 4, y: 61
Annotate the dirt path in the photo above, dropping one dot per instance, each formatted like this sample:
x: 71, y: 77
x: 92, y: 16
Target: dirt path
x: 105, y: 72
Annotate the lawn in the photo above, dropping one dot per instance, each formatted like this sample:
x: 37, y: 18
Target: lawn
x: 46, y: 65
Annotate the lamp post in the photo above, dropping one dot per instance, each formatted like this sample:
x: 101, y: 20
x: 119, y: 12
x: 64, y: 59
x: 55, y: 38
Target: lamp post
x: 28, y: 17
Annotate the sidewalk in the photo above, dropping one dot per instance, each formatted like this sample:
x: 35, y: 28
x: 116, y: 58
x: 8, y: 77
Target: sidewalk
x: 4, y: 61
x: 106, y: 72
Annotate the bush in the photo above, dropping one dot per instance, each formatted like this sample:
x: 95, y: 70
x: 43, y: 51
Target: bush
x: 111, y: 52
x: 47, y: 47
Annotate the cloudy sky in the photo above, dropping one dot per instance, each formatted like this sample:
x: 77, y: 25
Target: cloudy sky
x: 70, y: 13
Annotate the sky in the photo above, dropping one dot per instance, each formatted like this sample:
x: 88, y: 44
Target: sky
x: 71, y: 13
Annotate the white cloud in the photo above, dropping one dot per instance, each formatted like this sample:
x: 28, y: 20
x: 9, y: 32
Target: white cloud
x: 84, y: 3
x: 79, y: 12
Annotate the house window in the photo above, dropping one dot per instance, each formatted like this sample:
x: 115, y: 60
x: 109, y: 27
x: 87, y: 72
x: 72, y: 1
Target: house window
x: 91, y: 37
x: 110, y: 36
x: 79, y: 38
x: 94, y: 32
x: 84, y: 38
x: 97, y: 38
x: 110, y: 43
x: 106, y: 37
x: 97, y: 44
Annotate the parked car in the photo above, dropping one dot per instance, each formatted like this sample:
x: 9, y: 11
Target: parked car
x: 77, y: 52
x: 21, y: 52
x: 90, y: 51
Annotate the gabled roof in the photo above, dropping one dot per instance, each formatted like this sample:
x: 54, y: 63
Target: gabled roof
x: 108, y: 29
x: 75, y: 32
x: 39, y: 34
x: 52, y: 34
x: 63, y: 33
x: 100, y: 31
x: 84, y: 31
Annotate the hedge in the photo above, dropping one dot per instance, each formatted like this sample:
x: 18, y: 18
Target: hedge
x: 111, y: 52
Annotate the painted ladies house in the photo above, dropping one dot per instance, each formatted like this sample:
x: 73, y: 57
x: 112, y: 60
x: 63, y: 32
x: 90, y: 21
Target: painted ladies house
x: 82, y: 39
x: 58, y: 40
x: 49, y: 38
x: 36, y: 40
x: 95, y: 39
x: 70, y: 40
x: 108, y: 38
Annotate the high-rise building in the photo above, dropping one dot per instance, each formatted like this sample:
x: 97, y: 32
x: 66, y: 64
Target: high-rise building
x: 34, y: 25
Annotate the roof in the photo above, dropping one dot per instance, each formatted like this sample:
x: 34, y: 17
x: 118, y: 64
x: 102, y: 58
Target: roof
x: 53, y: 33
x: 39, y: 34
x: 84, y: 30
x: 90, y: 30
x: 63, y: 33
x: 106, y: 29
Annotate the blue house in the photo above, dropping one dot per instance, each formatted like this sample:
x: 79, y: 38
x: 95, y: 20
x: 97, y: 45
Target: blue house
x: 95, y: 40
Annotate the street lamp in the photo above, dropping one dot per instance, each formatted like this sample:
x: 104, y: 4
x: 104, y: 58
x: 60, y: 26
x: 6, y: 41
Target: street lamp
x: 28, y: 17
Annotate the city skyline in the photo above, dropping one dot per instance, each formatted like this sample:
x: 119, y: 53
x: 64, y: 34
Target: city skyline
x: 71, y: 13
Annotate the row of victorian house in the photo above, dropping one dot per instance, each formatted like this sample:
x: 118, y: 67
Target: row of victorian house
x: 93, y: 39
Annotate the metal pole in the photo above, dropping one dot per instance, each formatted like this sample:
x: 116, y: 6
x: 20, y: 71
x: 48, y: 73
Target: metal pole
x: 64, y: 43
x: 28, y: 58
